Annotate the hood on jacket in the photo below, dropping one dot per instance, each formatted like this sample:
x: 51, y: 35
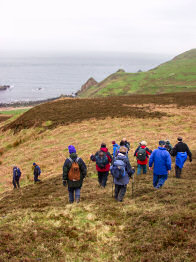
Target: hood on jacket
x: 162, y: 148
x: 104, y: 149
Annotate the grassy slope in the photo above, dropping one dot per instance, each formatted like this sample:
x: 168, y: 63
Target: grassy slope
x: 177, y: 75
x: 37, y: 223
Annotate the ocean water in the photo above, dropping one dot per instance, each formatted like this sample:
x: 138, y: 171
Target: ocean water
x: 38, y: 78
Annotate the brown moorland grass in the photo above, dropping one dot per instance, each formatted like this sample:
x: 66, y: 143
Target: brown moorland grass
x: 38, y: 224
x: 67, y: 111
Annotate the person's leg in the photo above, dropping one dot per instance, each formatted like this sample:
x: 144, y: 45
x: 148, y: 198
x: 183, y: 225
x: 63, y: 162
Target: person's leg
x: 162, y: 180
x: 155, y: 180
x: 138, y: 169
x: 17, y: 181
x: 77, y: 195
x: 144, y: 169
x: 99, y: 177
x: 35, y: 178
x: 104, y: 178
x: 178, y: 171
x: 14, y: 183
x: 71, y: 194
x: 116, y: 191
x: 122, y: 192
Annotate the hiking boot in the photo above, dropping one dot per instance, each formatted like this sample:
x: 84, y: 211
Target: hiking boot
x: 77, y: 200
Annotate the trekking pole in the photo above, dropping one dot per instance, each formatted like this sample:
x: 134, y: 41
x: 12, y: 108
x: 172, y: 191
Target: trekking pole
x: 112, y: 186
x: 133, y: 186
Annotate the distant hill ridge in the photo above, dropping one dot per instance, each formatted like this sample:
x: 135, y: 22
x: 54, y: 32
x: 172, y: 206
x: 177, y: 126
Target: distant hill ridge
x: 176, y: 75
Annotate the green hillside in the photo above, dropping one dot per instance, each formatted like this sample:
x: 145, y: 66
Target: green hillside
x: 177, y: 75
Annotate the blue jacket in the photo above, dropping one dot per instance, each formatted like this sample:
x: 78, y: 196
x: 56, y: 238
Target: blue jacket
x: 162, y: 161
x: 181, y: 157
x: 37, y: 171
x: 115, y: 147
x: 128, y: 169
x: 16, y: 173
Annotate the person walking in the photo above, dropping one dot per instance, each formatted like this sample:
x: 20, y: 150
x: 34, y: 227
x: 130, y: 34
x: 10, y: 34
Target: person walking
x: 162, y: 165
x: 16, y: 177
x: 121, y: 171
x: 180, y: 151
x: 74, y: 172
x: 127, y: 144
x: 36, y: 172
x: 142, y: 153
x: 115, y: 148
x: 168, y: 146
x: 103, y: 159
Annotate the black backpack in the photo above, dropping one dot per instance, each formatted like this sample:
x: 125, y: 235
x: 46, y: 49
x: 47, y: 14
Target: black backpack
x: 141, y: 154
x: 101, y: 160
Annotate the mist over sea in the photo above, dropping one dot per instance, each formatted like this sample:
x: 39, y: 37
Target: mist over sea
x: 35, y: 78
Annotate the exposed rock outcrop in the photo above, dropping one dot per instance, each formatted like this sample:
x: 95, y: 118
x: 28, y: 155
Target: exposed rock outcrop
x: 90, y: 82
x: 5, y: 87
x: 120, y: 71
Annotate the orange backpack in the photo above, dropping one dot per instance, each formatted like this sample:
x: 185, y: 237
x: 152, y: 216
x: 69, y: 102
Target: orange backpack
x: 74, y: 172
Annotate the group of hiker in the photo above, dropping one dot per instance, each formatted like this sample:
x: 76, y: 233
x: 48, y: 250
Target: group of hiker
x: 75, y: 170
x: 17, y: 174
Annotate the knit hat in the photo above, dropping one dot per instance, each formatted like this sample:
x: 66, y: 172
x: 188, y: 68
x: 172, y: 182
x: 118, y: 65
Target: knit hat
x: 34, y: 164
x: 71, y: 149
x: 179, y: 138
x: 161, y: 142
x: 143, y: 143
x: 167, y: 142
x: 113, y: 142
x: 103, y: 145
x: 123, y: 149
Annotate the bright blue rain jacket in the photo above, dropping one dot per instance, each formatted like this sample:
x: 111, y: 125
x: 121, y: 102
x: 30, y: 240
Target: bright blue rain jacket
x: 181, y: 157
x: 162, y: 161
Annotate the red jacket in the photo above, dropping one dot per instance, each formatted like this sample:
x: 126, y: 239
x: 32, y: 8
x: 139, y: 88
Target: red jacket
x: 107, y: 168
x: 145, y: 161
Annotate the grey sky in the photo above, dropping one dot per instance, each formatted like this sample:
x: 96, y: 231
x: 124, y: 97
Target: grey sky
x: 154, y: 26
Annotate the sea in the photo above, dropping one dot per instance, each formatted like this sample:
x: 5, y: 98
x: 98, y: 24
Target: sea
x: 42, y: 77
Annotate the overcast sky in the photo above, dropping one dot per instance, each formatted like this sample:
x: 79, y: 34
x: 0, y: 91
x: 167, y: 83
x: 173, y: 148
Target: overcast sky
x: 148, y: 26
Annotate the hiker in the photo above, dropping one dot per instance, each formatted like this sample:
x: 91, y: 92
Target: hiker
x: 103, y: 159
x: 127, y: 144
x: 162, y: 165
x: 16, y: 176
x: 181, y: 151
x: 37, y: 172
x: 74, y: 172
x: 115, y: 148
x: 168, y: 146
x: 121, y: 171
x: 142, y: 153
x: 122, y: 144
x: 137, y: 149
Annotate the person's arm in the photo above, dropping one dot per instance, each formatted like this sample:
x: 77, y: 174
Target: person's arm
x: 109, y: 157
x: 83, y: 168
x: 189, y: 153
x: 151, y: 160
x: 129, y: 169
x: 148, y: 151
x: 66, y: 168
x: 135, y: 154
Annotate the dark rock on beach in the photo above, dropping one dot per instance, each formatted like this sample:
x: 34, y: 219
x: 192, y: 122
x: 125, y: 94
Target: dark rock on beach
x: 4, y: 87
